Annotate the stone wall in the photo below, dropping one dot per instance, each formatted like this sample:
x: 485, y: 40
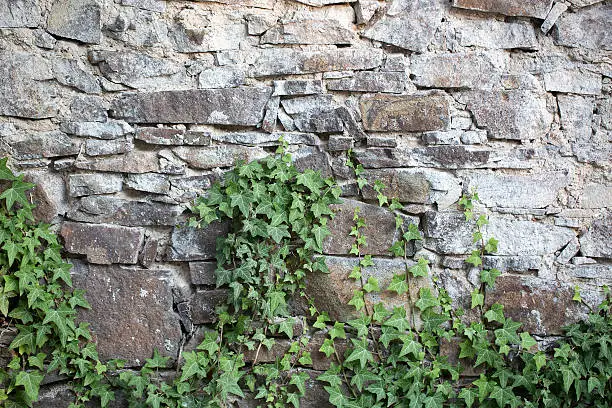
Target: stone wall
x: 122, y: 111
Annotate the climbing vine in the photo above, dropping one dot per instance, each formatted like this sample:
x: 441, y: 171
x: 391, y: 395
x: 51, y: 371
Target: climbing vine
x: 383, y: 357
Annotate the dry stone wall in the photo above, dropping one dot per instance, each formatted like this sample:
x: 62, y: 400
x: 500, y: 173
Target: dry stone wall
x: 122, y: 111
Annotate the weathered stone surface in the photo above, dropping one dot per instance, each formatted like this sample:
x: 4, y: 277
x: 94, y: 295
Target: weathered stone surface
x: 49, y: 196
x: 319, y: 3
x: 408, y: 24
x: 25, y: 145
x: 218, y: 156
x: 458, y: 70
x: 318, y: 121
x: 313, y: 158
x: 528, y: 191
x: 338, y: 143
x: 231, y: 106
x: 535, y: 8
x: 597, y: 242
x: 88, y: 184
x: 588, y: 28
x: 553, y: 15
x: 267, y: 139
x: 69, y: 73
x: 577, y: 82
x: 189, y: 38
x: 601, y: 272
x: 380, y: 228
x: 100, y: 147
x: 135, y: 161
x: 99, y: 130
x: 283, y: 61
x: 569, y: 252
x: 412, y: 113
x: 21, y: 92
x: 517, y: 264
x: 332, y: 292
x: 148, y: 182
x: 152, y: 5
x: 269, y: 121
x: 75, y: 19
x: 111, y: 210
x: 309, y: 31
x: 543, y: 306
x: 139, y: 70
x: 294, y: 87
x: 576, y: 116
x: 320, y: 103
x: 596, y: 196
x: 88, y: 108
x: 422, y: 186
x: 103, y: 244
x: 221, y: 77
x: 393, y: 82
x: 509, y: 114
x: 131, y: 311
x: 202, y: 305
x: 496, y: 34
x: 171, y: 137
x: 203, y: 273
x: 19, y: 13
x: 366, y: 9
x: 190, y: 244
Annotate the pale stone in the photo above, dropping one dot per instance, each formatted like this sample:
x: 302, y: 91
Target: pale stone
x: 309, y: 31
x: 532, y: 8
x: 88, y: 184
x: 553, y: 15
x: 297, y: 87
x: 190, y: 244
x: 565, y: 81
x: 101, y: 147
x: 88, y: 108
x: 101, y: 209
x: 597, y: 242
x: 99, y: 130
x: 392, y: 82
x: 588, y: 28
x: 596, y: 196
x: 218, y: 156
x: 148, y: 182
x: 495, y: 34
x: 205, y: 39
x: 307, y: 103
x: 27, y: 145
x: 267, y: 139
x: 135, y: 161
x: 20, y: 13
x: 75, y: 19
x: 221, y: 77
x: 152, y: 5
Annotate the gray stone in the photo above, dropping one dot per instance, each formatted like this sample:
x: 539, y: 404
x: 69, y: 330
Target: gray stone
x: 318, y: 121
x: 351, y: 125
x: 366, y: 9
x: 49, y: 195
x: 86, y: 108
x: 103, y: 244
x: 190, y: 39
x: 135, y: 161
x: 320, y: 103
x: 69, y: 73
x: 529, y: 191
x: 381, y: 141
x: 534, y: 8
x: 517, y: 264
x: 496, y: 34
x: 88, y: 184
x: 577, y: 82
x: 451, y: 137
x: 267, y: 139
x: 408, y: 24
x: 257, y: 24
x: 570, y: 251
x: 100, y: 147
x: 112, y: 210
x: 99, y: 130
x: 514, y: 115
x: 149, y: 252
x: 596, y: 196
x: 26, y: 145
x: 20, y: 13
x: 295, y: 87
x: 411, y: 113
x: 218, y: 156
x: 285, y: 120
x: 171, y: 137
x: 149, y: 183
x: 231, y: 106
x: 339, y: 143
x: 553, y: 15
x: 269, y: 121
x: 308, y: 31
x: 576, y: 116
x: 131, y: 312
x: 139, y: 71
x: 458, y: 70
x: 421, y: 186
x: 264, y: 4
x: 285, y: 61
x: 474, y: 137
x: 597, y: 241
x: 75, y: 19
x: 22, y: 93
x: 221, y: 77
x: 151, y: 5
x: 313, y: 158
x: 588, y: 28
x: 203, y: 273
x: 393, y: 82
x: 202, y: 305
x: 319, y: 3
x: 191, y: 244
x: 592, y: 271
x: 44, y: 40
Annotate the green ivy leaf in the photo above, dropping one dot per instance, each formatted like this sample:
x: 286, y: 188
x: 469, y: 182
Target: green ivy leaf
x: 469, y: 396
x: 477, y: 298
x: 426, y: 300
x: 527, y: 342
x: 398, y: 284
x: 474, y: 258
x: 30, y: 380
x: 360, y: 353
x: 495, y: 313
x: 5, y: 172
x: 371, y: 285
x: 413, y: 233
x: 361, y: 324
x: 421, y: 268
x: 327, y: 347
x: 286, y: 326
x: 491, y: 245
x: 489, y: 276
x: 228, y: 384
x: 337, y: 331
x: 320, y: 232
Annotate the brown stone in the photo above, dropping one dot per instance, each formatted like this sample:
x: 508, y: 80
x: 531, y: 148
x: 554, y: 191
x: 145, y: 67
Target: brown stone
x: 543, y: 307
x: 202, y: 273
x: 532, y: 8
x: 411, y: 113
x: 131, y: 311
x: 103, y: 244
x: 202, y: 305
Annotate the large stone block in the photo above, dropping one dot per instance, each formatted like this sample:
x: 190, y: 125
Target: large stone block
x: 588, y: 28
x: 597, y: 241
x: 366, y: 81
x: 576, y: 82
x: 411, y: 113
x: 543, y: 306
x: 509, y: 114
x: 131, y: 311
x: 69, y: 73
x: 218, y: 156
x: 99, y: 130
x: 193, y: 244
x: 103, y: 244
x: 170, y: 136
x: 308, y: 31
x: 596, y: 195
x: 88, y: 184
x: 135, y: 161
x: 27, y: 145
x: 19, y: 13
x: 75, y: 19
x: 231, y: 106
x: 533, y: 8
x: 408, y: 24
x: 191, y: 38
x: 496, y: 34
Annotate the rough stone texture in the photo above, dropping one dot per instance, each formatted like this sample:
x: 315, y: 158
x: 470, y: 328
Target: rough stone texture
x: 27, y: 145
x: 169, y: 136
x: 597, y: 242
x: 597, y: 196
x: 535, y: 8
x: 221, y: 77
x: 202, y: 273
x: 235, y: 106
x: 218, y: 156
x: 587, y: 28
x: 111, y: 210
x: 131, y: 311
x: 19, y: 13
x: 88, y: 184
x: 308, y: 32
x: 190, y: 244
x: 496, y: 34
x: 88, y: 108
x: 75, y: 19
x: 135, y: 161
x: 203, y: 304
x: 103, y: 244
x: 297, y: 87
x: 509, y: 114
x: 69, y: 73
x: 412, y: 113
x: 94, y: 147
x: 100, y: 130
x: 148, y: 182
x: 573, y: 82
x: 392, y: 82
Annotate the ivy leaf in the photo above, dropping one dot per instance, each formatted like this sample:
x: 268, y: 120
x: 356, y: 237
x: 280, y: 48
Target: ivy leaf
x: 495, y: 313
x: 277, y: 300
x: 331, y: 376
x: 16, y: 193
x: 491, y: 245
x: 360, y: 353
x: 228, y: 384
x: 337, y: 331
x: 426, y: 300
x: 410, y: 346
x: 477, y: 298
x: 30, y: 380
x: 377, y: 388
x: 312, y: 180
x: 361, y: 325
x: 5, y: 172
x: 209, y: 344
x: 242, y: 201
x: 469, y: 396
x: 11, y: 251
x: 489, y: 276
x: 540, y: 360
x: 398, y: 319
x: 286, y: 326
x: 305, y: 359
x: 507, y: 334
x: 504, y: 396
x: 336, y: 397
x: 191, y: 367
x: 293, y: 398
x: 380, y: 312
x: 413, y: 233
x: 321, y: 319
x: 357, y: 300
x: 320, y: 232
x: 420, y: 269
x: 475, y: 258
x: 371, y: 285
x: 327, y: 347
x: 361, y: 376
x: 58, y: 317
x: 278, y: 232
x: 527, y: 341
x: 398, y: 284
x: 568, y: 377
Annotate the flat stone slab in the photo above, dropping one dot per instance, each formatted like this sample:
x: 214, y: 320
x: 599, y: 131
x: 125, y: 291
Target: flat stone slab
x: 75, y: 19
x: 195, y: 244
x: 19, y: 13
x: 230, y: 106
x: 597, y: 241
x: 531, y: 8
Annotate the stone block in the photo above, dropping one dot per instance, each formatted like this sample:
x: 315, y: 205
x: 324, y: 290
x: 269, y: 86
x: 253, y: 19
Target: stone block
x: 221, y: 77
x: 596, y: 195
x: 597, y: 241
x: 496, y: 34
x: 543, y: 306
x: 151, y: 5
x: 230, y: 106
x: 411, y: 113
x: 69, y: 73
x: 308, y: 31
x: 103, y: 244
x: 202, y: 305
x: 88, y: 108
x: 587, y: 28
x: 49, y: 196
x: 135, y: 161
x: 20, y: 13
x: 534, y: 8
x: 308, y: 103
x: 366, y: 81
x: 193, y: 244
x: 201, y: 37
x: 565, y: 81
x: 218, y: 156
x: 517, y: 264
x: 88, y: 184
x: 318, y: 121
x: 295, y: 87
x: 149, y: 183
x: 171, y: 137
x: 29, y: 145
x: 203, y: 273
x: 100, y: 147
x: 515, y: 114
x: 131, y: 311
x: 75, y: 19
x: 99, y: 130
x: 267, y: 139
